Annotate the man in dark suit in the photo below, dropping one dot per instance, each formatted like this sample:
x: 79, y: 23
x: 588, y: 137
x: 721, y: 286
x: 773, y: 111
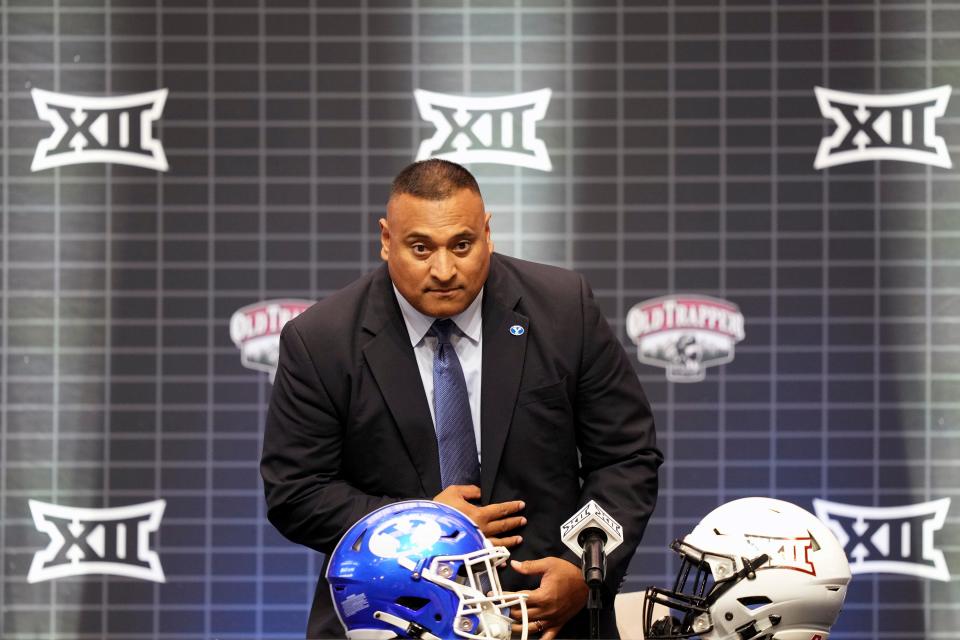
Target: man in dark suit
x: 556, y: 414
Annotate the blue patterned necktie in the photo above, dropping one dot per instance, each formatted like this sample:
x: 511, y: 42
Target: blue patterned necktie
x: 451, y: 406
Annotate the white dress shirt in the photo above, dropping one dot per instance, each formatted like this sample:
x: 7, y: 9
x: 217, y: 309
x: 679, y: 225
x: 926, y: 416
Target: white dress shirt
x: 468, y: 343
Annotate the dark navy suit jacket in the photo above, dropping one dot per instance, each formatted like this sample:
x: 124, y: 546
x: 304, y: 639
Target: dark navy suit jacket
x: 563, y: 420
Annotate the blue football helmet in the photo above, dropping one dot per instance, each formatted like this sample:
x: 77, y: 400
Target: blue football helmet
x: 420, y: 569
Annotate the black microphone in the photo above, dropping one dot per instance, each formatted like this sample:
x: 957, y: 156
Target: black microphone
x: 591, y: 533
x: 594, y: 558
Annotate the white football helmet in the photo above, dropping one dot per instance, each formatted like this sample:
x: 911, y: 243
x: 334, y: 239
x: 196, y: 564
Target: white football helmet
x: 753, y: 569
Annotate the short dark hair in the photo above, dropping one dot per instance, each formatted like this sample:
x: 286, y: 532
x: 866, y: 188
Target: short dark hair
x: 433, y: 179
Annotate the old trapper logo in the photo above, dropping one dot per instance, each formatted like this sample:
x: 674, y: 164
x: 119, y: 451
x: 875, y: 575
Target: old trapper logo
x: 685, y: 334
x: 498, y: 130
x: 86, y: 129
x: 898, y: 126
x: 889, y: 539
x: 114, y: 541
x: 255, y: 330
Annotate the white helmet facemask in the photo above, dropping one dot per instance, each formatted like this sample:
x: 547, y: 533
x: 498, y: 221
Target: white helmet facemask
x: 483, y: 612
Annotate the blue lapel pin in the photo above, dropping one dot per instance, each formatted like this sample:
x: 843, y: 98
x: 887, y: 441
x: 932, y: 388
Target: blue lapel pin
x: 516, y: 330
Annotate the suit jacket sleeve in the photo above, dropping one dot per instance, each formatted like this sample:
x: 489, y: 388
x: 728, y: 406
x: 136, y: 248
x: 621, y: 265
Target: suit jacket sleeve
x: 308, y: 501
x: 615, y: 436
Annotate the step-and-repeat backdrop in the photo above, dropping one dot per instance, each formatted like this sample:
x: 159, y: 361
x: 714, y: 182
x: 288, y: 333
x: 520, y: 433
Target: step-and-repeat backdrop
x: 764, y: 199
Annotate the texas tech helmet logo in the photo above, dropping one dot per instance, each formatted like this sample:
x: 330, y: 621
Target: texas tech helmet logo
x: 889, y: 539
x: 255, y: 330
x: 113, y: 541
x: 499, y: 130
x: 685, y: 334
x: 899, y: 126
x: 117, y: 129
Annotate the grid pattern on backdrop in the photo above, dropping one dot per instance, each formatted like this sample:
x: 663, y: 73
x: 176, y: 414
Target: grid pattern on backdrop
x: 682, y: 137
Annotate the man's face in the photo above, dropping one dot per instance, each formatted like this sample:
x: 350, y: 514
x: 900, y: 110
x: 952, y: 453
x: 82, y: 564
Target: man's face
x: 437, y: 251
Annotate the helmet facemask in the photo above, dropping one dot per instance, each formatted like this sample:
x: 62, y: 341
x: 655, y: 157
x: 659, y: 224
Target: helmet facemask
x: 484, y: 609
x: 703, y: 577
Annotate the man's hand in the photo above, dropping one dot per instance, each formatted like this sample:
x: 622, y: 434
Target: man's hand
x: 561, y: 595
x: 493, y: 519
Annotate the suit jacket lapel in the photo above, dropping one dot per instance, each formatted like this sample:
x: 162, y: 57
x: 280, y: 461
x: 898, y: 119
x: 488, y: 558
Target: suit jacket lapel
x: 502, y: 366
x: 394, y: 367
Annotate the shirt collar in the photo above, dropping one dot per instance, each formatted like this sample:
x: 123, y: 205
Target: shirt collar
x: 418, y: 324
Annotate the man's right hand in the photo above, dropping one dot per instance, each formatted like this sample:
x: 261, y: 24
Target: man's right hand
x: 494, y: 520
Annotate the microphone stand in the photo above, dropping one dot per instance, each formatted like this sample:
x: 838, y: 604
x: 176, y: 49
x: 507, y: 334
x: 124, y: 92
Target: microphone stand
x: 592, y: 533
x: 593, y: 604
x: 594, y: 568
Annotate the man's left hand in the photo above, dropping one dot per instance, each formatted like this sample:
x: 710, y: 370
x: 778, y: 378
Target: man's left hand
x: 561, y: 595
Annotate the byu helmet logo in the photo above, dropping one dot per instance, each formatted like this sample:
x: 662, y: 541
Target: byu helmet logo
x: 409, y: 536
x: 889, y: 539
x: 498, y: 130
x: 117, y: 129
x: 886, y: 127
x: 114, y: 541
